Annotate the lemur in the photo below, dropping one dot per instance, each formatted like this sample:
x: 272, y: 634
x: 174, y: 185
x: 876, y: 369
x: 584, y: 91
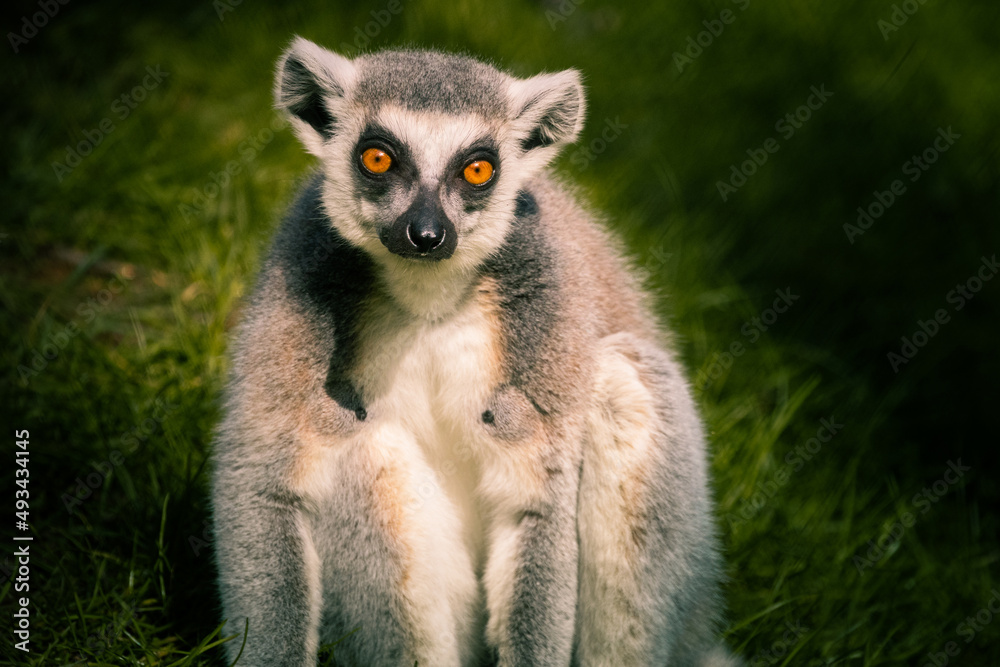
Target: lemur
x: 454, y: 432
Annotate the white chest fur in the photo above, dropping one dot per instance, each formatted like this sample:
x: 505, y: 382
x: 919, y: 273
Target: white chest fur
x: 430, y: 382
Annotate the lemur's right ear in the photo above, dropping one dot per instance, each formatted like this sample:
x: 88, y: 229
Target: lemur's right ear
x: 311, y: 84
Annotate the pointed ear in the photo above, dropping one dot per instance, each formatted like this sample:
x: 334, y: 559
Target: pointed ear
x: 548, y: 109
x: 311, y: 84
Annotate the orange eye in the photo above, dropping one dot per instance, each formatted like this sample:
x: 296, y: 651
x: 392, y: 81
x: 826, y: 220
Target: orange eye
x: 478, y: 172
x: 376, y: 161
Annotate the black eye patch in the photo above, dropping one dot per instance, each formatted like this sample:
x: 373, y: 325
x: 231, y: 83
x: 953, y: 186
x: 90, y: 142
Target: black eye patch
x: 475, y: 196
x: 401, y: 172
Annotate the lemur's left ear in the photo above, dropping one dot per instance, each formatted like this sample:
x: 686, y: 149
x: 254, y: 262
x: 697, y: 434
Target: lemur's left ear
x: 547, y: 109
x: 311, y: 84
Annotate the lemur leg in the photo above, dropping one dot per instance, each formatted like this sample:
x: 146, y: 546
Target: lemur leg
x: 395, y: 569
x: 344, y: 536
x: 647, y: 546
x: 531, y: 572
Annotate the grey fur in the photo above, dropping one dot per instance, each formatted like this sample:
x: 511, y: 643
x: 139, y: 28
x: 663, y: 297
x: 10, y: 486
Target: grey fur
x: 321, y: 524
x: 427, y: 80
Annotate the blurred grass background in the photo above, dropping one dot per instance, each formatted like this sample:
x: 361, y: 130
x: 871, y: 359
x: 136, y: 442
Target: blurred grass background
x: 134, y: 294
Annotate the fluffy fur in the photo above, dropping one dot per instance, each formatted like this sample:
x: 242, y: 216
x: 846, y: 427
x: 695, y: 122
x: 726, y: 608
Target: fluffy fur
x: 488, y: 459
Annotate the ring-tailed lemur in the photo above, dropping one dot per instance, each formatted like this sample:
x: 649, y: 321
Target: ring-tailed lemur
x: 453, y: 430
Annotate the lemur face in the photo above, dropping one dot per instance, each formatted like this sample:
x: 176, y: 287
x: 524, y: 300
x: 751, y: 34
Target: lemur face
x: 420, y: 177
x: 424, y: 153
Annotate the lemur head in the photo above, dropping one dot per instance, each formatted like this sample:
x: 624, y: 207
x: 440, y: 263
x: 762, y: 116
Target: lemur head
x: 424, y: 153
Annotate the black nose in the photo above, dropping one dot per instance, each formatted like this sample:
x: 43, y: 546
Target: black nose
x: 423, y: 232
x: 425, y: 236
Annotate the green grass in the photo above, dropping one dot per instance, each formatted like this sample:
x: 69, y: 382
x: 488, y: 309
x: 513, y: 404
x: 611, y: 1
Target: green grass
x: 126, y: 578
